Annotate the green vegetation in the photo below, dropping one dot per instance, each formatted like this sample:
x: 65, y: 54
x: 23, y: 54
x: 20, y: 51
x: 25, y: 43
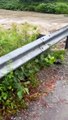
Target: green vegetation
x: 12, y: 86
x: 16, y: 37
x: 15, y: 86
x: 46, y: 6
x: 53, y: 56
x: 57, y: 8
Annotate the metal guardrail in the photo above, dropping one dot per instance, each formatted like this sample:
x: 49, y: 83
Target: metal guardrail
x: 20, y: 56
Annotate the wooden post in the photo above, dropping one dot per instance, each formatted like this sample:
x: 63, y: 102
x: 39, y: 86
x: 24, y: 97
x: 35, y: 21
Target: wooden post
x: 66, y: 46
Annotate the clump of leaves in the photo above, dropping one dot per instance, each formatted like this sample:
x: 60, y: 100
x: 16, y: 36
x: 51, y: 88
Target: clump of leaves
x: 53, y: 56
x: 50, y: 59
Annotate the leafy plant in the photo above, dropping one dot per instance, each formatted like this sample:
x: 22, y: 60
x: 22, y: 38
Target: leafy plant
x: 53, y: 56
x: 50, y: 60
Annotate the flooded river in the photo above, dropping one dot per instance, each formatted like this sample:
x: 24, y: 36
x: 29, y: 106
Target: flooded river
x: 46, y: 22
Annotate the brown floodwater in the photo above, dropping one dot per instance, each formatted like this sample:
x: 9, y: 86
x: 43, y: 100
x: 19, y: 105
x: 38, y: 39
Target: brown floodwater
x: 46, y: 22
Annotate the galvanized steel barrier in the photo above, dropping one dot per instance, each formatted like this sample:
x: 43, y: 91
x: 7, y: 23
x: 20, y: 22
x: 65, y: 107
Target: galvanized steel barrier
x: 20, y: 56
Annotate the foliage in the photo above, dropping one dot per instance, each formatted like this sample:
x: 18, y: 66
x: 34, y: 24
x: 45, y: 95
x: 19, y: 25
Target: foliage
x: 15, y: 86
x: 46, y: 6
x: 53, y: 56
x: 61, y: 8
x: 16, y: 36
x: 50, y: 59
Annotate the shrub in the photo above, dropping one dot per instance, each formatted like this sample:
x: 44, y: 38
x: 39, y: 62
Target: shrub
x: 41, y: 7
x: 52, y: 8
x: 31, y: 8
x: 61, y: 8
x: 46, y: 8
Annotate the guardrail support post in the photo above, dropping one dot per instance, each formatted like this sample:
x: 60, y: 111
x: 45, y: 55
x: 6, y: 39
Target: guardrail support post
x: 66, y: 46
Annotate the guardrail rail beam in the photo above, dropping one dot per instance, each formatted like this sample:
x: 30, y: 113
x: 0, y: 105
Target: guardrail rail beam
x: 20, y: 56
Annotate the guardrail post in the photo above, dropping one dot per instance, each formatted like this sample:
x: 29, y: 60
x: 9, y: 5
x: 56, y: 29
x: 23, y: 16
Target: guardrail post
x: 66, y: 46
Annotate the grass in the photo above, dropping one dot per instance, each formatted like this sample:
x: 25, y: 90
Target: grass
x: 12, y: 87
x: 16, y: 36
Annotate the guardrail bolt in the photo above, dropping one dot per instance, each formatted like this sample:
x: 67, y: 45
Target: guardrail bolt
x: 66, y: 46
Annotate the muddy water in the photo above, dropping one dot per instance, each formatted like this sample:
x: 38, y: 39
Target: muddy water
x: 46, y: 22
